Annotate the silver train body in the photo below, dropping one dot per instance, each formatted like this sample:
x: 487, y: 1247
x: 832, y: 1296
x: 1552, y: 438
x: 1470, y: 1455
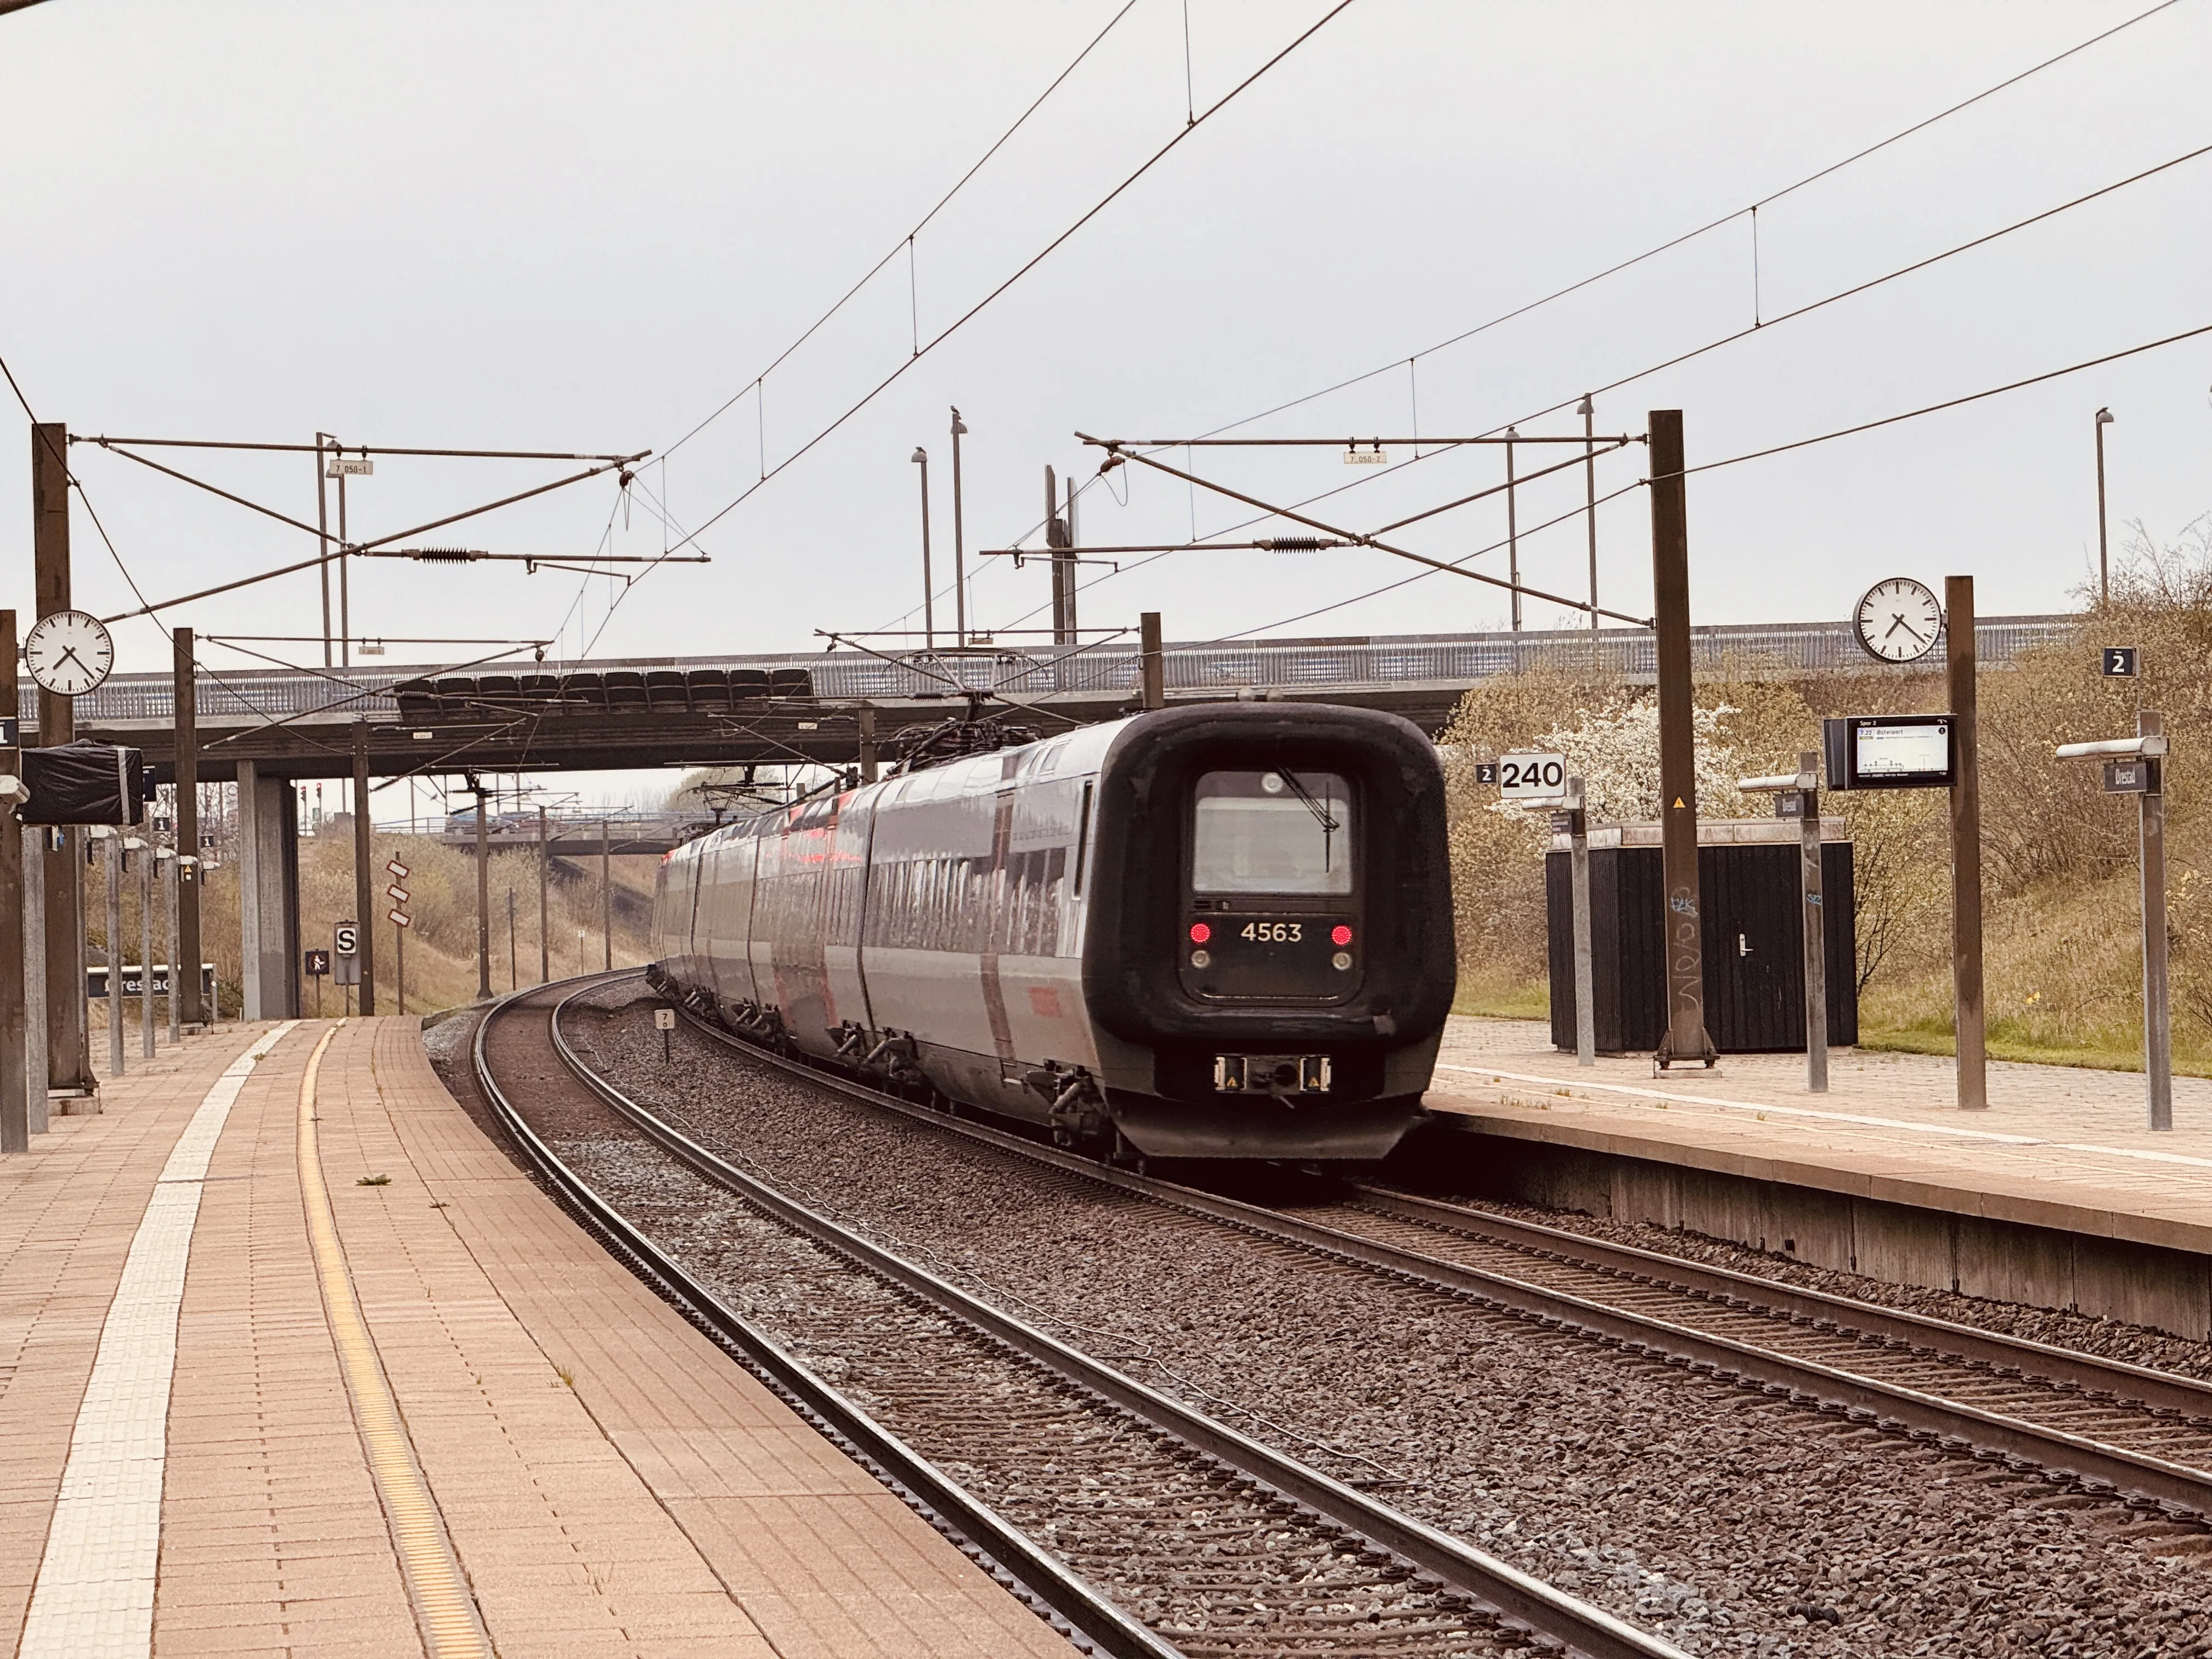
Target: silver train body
x: 1214, y: 932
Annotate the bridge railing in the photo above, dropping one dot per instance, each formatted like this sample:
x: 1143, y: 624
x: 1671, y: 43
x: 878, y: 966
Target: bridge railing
x: 1044, y: 669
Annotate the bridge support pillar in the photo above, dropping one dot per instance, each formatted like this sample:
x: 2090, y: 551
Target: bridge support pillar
x: 268, y: 894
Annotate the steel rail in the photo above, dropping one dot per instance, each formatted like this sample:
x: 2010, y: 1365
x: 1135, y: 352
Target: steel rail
x: 1518, y: 1596
x: 2171, y: 1485
x: 2163, y: 1390
x: 935, y: 1493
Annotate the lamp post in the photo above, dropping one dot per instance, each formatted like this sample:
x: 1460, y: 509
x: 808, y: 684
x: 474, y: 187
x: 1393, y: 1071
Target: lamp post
x: 928, y: 588
x: 2103, y: 554
x: 1588, y: 410
x: 1512, y: 529
x: 959, y: 547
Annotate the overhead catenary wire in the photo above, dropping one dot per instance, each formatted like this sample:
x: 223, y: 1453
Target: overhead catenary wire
x: 1023, y: 269
x: 1762, y: 454
x: 1708, y: 227
x: 906, y: 242
x: 1733, y: 336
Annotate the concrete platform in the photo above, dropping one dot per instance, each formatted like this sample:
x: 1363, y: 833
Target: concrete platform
x: 2056, y: 1195
x: 194, y: 1462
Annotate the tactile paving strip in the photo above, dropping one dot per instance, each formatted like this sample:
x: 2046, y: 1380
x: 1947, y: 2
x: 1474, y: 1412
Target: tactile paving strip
x: 445, y: 1609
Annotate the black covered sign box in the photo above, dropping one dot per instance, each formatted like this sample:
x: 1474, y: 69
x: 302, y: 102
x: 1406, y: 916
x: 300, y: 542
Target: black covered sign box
x: 1753, y: 937
x: 83, y: 782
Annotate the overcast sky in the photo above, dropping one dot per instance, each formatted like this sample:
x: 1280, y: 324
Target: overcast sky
x: 584, y: 227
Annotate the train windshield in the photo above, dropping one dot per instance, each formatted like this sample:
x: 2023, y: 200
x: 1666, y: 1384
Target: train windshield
x: 1273, y: 832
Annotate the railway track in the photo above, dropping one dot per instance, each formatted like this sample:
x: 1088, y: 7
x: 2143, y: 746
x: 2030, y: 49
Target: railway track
x: 2139, y: 1436
x: 1148, y: 1528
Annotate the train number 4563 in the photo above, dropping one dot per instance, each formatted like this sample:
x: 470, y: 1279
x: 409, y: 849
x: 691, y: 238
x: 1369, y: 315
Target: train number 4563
x: 1273, y: 932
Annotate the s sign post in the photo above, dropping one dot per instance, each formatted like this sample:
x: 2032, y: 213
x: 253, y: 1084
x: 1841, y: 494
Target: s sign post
x: 345, y: 958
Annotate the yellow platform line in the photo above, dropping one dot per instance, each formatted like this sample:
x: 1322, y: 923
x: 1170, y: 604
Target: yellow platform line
x: 445, y: 1608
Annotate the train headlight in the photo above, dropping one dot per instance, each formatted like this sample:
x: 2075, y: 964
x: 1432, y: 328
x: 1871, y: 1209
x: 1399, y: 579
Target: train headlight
x: 1340, y: 961
x: 1199, y: 933
x: 1201, y: 959
x: 1340, y: 935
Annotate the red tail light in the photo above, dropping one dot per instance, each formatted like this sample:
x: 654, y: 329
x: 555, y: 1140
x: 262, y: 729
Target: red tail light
x: 1199, y: 933
x: 1340, y: 934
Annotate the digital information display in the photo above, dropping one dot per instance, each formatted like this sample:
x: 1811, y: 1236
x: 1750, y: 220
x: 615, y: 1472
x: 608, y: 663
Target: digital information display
x: 1891, y: 752
x: 1897, y: 751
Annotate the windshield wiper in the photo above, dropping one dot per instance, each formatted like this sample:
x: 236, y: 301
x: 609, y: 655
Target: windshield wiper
x: 1328, y: 825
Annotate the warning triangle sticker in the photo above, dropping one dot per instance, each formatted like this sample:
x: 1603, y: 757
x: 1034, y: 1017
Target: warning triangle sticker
x: 1678, y: 800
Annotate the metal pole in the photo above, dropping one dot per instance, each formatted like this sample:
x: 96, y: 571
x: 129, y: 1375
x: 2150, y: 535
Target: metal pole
x: 1590, y: 491
x: 1816, y: 936
x: 1512, y: 529
x: 544, y: 939
x: 928, y: 587
x: 399, y: 969
x: 323, y: 543
x: 483, y: 898
x: 1074, y: 541
x: 869, y: 759
x: 2158, y: 1011
x: 1153, y: 660
x: 364, y: 899
x: 2104, y: 552
x: 1585, y: 963
x: 1055, y: 540
x: 146, y: 950
x: 112, y: 872
x: 80, y: 858
x: 345, y: 609
x: 1966, y: 849
x: 35, y: 839
x: 69, y: 1047
x: 1686, y: 1039
x: 185, y: 953
x: 15, y: 1089
x: 169, y: 945
x: 513, y: 962
x: 959, y: 538
x: 606, y: 899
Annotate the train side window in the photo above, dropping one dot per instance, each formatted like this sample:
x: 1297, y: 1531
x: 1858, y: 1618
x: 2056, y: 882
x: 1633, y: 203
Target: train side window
x: 1082, y: 837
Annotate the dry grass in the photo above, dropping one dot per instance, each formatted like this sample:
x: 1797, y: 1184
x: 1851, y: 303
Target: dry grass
x: 2062, y: 949
x: 441, y: 948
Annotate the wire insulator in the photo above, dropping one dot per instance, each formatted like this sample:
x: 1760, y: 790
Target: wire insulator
x: 1297, y: 545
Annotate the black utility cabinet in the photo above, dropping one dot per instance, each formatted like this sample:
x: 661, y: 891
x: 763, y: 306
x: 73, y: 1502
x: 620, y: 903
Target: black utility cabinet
x: 1754, y: 938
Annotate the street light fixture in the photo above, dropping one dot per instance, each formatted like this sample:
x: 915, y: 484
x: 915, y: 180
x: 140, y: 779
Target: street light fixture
x: 959, y: 549
x: 2104, y: 553
x: 928, y: 597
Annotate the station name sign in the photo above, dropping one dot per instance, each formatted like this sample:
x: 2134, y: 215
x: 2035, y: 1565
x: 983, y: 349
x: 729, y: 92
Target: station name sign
x: 1892, y: 752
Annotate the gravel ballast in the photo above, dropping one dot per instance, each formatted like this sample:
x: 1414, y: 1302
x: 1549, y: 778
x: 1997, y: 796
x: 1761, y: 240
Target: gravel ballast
x: 1726, y: 1520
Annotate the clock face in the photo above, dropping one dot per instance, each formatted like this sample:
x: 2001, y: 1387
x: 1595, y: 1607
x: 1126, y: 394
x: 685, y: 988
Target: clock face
x: 1898, y: 620
x: 69, y: 652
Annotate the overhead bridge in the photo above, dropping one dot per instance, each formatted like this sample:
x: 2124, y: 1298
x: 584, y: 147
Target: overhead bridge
x: 266, y: 729
x: 768, y: 709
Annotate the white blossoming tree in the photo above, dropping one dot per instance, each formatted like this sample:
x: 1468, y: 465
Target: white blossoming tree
x: 1614, y: 750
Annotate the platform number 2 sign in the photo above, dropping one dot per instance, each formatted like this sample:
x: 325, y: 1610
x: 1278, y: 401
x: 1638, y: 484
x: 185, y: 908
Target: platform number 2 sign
x: 1532, y: 777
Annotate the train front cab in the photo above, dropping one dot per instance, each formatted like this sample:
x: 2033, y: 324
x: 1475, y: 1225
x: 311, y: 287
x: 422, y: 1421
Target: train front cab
x: 1269, y: 961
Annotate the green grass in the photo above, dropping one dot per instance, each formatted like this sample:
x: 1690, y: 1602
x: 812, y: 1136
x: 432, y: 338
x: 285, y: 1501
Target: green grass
x: 1530, y: 1001
x: 1920, y: 1040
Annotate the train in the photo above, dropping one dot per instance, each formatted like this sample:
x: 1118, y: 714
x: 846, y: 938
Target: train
x: 1214, y: 931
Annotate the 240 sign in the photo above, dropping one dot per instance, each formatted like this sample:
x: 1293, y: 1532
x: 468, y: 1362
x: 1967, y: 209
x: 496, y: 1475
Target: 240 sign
x: 1532, y: 777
